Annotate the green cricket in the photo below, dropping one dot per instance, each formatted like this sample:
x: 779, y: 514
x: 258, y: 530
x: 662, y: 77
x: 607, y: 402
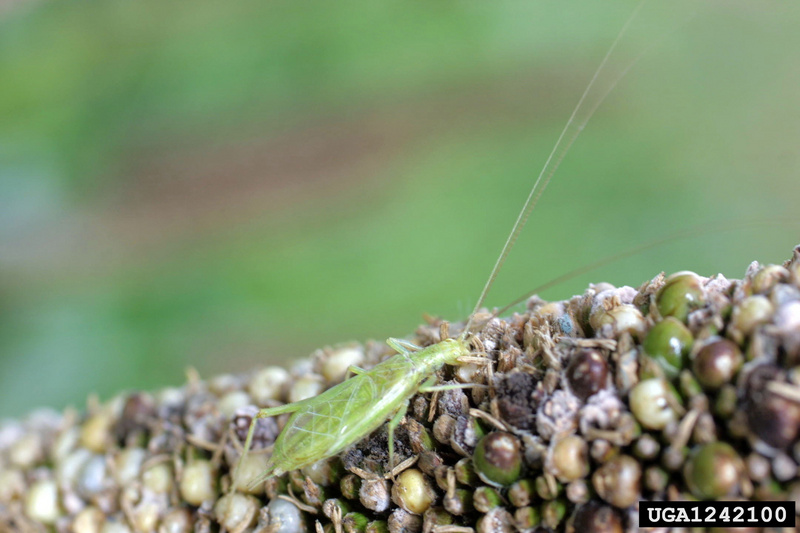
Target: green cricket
x: 325, y: 425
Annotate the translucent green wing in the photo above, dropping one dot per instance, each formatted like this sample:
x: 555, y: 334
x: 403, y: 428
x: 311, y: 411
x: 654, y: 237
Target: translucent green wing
x: 335, y: 419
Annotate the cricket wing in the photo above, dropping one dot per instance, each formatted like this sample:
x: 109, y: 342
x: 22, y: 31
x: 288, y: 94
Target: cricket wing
x: 334, y: 420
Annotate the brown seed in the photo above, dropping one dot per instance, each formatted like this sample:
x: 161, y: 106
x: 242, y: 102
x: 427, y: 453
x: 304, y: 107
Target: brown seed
x: 596, y: 517
x: 772, y: 418
x: 587, y: 373
x: 570, y: 459
x: 618, y: 481
x: 717, y: 362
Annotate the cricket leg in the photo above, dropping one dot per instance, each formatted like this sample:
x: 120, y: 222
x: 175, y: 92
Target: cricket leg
x: 402, y: 346
x: 393, y: 423
x: 354, y: 370
x: 429, y: 385
x: 263, y: 413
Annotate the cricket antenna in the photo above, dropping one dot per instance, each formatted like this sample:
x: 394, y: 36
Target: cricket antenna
x: 583, y: 111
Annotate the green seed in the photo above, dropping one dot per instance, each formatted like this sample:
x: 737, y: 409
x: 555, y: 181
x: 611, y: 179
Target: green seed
x: 377, y: 526
x: 522, y: 493
x: 459, y: 502
x: 436, y: 516
x: 355, y: 523
x: 486, y: 498
x: 713, y: 471
x: 349, y: 486
x: 498, y: 458
x: 465, y: 472
x: 553, y: 512
x: 682, y: 293
x: 547, y: 488
x: 668, y: 343
x: 335, y: 506
x: 689, y: 386
x: 527, y: 518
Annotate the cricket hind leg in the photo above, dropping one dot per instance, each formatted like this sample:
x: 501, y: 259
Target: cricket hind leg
x: 262, y: 413
x: 393, y: 423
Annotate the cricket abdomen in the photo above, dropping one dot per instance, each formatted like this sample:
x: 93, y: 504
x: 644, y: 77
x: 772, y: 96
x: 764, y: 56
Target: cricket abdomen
x: 350, y: 411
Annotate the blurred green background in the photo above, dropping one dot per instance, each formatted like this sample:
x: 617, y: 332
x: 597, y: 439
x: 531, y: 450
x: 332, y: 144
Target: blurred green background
x: 225, y: 185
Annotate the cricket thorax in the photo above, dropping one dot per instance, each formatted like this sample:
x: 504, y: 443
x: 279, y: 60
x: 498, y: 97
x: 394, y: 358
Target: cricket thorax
x: 446, y: 352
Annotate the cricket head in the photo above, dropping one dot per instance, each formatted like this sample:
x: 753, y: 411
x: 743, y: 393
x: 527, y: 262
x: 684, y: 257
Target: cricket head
x: 452, y: 350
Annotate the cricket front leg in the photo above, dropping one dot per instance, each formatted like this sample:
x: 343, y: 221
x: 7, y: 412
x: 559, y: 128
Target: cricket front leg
x: 263, y: 413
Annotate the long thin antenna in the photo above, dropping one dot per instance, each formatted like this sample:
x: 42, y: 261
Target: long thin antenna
x: 688, y: 233
x: 568, y: 135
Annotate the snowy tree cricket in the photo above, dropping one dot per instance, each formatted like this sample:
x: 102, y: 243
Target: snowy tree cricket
x: 323, y: 426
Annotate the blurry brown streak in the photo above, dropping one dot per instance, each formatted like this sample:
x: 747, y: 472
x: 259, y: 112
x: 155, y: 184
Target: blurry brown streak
x: 171, y: 193
x: 181, y: 190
